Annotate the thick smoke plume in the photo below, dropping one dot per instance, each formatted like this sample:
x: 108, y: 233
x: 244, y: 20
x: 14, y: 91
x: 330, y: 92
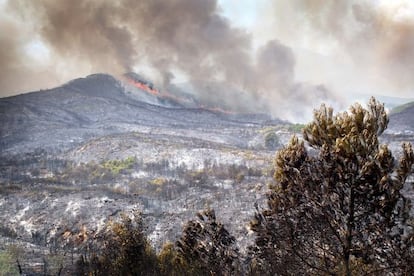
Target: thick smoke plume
x: 193, y: 39
x: 115, y: 36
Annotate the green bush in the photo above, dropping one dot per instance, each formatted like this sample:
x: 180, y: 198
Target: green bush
x: 118, y: 166
x: 296, y: 128
x: 92, y: 172
x: 8, y: 264
x: 271, y: 140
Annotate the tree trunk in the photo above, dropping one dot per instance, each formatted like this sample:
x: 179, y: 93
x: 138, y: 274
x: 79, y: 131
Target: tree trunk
x: 350, y: 228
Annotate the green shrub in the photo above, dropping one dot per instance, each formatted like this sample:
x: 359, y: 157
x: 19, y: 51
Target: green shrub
x: 296, y: 127
x: 8, y: 264
x: 271, y: 140
x: 118, y: 166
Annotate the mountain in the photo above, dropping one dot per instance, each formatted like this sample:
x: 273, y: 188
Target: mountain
x: 99, y: 105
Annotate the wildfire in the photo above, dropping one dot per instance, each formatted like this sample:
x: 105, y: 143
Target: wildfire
x: 144, y: 87
x: 165, y: 95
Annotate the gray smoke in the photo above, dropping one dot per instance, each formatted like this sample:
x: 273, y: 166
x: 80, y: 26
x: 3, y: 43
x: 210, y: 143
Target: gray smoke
x: 376, y: 36
x: 114, y: 36
x: 184, y: 36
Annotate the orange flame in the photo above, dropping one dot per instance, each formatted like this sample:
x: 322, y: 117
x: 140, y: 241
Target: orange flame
x: 168, y: 96
x: 144, y: 87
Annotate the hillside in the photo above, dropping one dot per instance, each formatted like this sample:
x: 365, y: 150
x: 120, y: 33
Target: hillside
x: 99, y: 105
x: 402, y: 118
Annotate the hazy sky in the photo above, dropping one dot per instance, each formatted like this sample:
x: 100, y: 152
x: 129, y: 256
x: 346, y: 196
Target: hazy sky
x: 284, y: 51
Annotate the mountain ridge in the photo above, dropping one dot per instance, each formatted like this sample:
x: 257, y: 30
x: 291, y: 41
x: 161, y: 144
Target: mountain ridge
x: 93, y: 106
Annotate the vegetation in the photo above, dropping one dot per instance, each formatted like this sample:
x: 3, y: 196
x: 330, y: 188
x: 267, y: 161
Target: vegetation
x: 296, y: 127
x: 118, y: 166
x: 271, y: 140
x: 123, y: 249
x: 92, y: 172
x: 341, y: 211
x: 207, y: 247
x: 8, y: 264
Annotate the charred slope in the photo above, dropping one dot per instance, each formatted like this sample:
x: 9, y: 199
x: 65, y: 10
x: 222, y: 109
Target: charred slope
x: 91, y: 107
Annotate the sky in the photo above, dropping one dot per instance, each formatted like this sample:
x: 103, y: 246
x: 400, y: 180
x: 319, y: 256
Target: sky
x: 283, y: 53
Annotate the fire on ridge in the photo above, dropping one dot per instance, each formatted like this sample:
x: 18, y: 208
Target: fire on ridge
x: 148, y: 87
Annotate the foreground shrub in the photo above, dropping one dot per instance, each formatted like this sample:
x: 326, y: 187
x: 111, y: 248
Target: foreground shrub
x: 124, y: 250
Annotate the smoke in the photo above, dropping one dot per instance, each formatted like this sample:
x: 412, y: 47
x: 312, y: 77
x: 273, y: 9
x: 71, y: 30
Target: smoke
x: 275, y: 65
x: 14, y: 61
x: 392, y: 26
x: 193, y: 39
x: 115, y: 36
x: 372, y: 42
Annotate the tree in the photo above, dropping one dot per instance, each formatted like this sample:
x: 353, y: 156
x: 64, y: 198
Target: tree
x: 125, y: 251
x: 170, y: 262
x: 271, y: 140
x: 338, y: 206
x: 207, y: 248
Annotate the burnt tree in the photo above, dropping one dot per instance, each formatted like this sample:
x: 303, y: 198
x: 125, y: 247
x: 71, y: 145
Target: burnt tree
x: 337, y: 206
x: 207, y: 248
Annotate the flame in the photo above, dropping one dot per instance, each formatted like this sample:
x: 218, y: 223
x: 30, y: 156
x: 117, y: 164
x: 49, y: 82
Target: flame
x: 144, y: 87
x: 168, y: 96
x: 155, y: 92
